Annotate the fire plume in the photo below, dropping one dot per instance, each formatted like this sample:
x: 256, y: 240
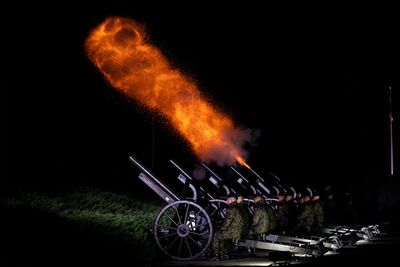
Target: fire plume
x: 120, y: 49
x: 242, y: 162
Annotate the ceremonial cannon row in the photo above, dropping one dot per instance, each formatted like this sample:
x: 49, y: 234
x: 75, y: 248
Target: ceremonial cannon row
x: 184, y: 228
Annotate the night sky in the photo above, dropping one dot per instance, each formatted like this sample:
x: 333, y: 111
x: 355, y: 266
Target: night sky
x: 314, y: 84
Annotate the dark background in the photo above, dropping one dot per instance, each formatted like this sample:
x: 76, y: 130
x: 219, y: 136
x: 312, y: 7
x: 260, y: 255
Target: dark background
x: 313, y: 80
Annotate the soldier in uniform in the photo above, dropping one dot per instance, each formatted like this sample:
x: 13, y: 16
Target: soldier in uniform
x: 318, y: 212
x: 245, y: 213
x: 261, y: 222
x: 349, y: 213
x: 292, y: 209
x: 332, y: 214
x: 282, y: 213
x: 232, y: 228
x: 305, y: 216
x: 273, y: 224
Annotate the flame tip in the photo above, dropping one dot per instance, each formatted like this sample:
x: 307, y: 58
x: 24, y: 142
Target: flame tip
x: 242, y: 162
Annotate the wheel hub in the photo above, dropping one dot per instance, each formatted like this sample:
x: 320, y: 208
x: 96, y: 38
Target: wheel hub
x: 183, y: 230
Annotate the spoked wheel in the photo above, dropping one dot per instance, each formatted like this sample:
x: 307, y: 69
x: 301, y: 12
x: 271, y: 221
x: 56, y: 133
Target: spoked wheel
x: 218, y: 210
x: 183, y: 230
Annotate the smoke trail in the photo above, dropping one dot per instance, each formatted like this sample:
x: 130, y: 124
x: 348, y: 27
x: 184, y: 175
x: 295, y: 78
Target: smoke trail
x: 119, y: 47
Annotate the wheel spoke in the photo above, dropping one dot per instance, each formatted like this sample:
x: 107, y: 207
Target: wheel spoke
x: 180, y: 246
x: 177, y: 214
x: 194, y: 241
x: 186, y: 214
x: 168, y: 227
x: 187, y: 244
x: 165, y: 236
x: 173, y: 242
x: 171, y: 219
x: 200, y: 234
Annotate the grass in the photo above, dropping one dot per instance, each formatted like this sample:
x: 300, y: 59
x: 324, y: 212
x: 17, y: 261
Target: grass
x: 81, y: 225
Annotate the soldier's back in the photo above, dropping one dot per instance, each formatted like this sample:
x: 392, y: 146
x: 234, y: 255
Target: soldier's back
x: 260, y: 222
x: 282, y: 217
x: 305, y: 218
x: 246, y: 218
x: 272, y: 219
x: 318, y: 212
x: 237, y: 223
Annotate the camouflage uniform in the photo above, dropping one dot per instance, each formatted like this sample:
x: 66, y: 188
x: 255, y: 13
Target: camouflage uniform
x: 272, y: 220
x: 247, y: 218
x: 261, y: 220
x: 282, y: 217
x: 305, y: 218
x: 318, y: 212
x: 292, y: 210
x: 232, y: 228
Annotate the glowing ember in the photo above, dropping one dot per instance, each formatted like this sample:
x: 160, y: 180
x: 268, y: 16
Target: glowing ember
x: 120, y: 49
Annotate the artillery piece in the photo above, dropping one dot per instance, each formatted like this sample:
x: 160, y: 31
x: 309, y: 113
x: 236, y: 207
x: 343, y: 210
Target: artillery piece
x: 184, y: 228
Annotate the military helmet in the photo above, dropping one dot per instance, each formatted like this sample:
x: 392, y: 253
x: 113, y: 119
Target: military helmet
x: 274, y: 192
x: 306, y: 191
x: 232, y: 195
x: 292, y: 192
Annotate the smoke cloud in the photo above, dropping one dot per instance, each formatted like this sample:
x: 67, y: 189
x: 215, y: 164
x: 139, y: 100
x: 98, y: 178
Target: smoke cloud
x: 121, y: 50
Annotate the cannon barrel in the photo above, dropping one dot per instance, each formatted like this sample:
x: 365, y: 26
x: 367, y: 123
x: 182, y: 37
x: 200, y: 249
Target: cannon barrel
x: 275, y: 176
x: 216, y: 176
x: 240, y: 175
x: 247, y: 186
x: 181, y: 170
x: 154, y: 183
x: 184, y: 175
x: 205, y: 166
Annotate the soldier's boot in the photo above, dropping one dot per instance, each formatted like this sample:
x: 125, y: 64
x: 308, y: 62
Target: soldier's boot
x: 251, y: 250
x: 225, y: 256
x: 236, y: 247
x: 216, y: 258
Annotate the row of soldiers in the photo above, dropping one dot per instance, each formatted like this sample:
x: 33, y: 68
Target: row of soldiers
x: 288, y: 217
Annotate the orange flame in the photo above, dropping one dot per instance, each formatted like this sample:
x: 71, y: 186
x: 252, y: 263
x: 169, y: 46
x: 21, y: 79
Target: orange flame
x: 241, y: 161
x: 120, y: 49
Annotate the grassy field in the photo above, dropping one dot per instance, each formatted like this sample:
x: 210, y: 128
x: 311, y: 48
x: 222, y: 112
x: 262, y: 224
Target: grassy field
x: 81, y: 226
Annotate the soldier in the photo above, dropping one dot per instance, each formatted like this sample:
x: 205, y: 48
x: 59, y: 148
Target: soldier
x: 292, y: 209
x: 273, y: 224
x: 332, y: 214
x: 318, y: 212
x: 349, y: 213
x: 245, y: 213
x: 232, y: 228
x: 305, y: 216
x: 282, y: 213
x: 261, y: 223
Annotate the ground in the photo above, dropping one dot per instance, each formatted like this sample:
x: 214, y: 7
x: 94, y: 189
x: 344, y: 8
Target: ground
x: 90, y: 226
x: 80, y: 225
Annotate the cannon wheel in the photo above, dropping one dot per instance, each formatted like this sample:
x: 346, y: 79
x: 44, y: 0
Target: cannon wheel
x: 183, y: 230
x: 218, y: 211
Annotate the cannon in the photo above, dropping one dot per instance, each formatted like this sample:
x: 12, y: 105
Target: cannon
x: 183, y: 229
x: 333, y: 237
x: 259, y: 185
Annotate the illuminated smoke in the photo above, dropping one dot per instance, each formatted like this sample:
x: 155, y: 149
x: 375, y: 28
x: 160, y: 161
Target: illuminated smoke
x: 120, y: 49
